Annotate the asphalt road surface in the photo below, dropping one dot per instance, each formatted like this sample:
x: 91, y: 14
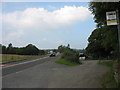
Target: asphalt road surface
x: 44, y: 73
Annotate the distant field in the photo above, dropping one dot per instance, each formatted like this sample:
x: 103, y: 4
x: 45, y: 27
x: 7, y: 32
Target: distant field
x: 6, y: 58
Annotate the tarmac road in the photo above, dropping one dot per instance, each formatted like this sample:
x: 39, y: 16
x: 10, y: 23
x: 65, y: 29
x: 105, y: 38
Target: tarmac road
x: 18, y: 66
x: 47, y: 74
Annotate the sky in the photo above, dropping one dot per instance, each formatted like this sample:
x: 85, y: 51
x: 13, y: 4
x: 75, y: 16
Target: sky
x: 46, y: 25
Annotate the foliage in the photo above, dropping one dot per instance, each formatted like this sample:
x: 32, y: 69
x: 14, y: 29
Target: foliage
x: 62, y: 48
x: 106, y: 63
x: 4, y: 49
x: 66, y: 62
x: 10, y: 49
x: 99, y: 10
x: 103, y: 42
x: 69, y: 54
x: 42, y: 52
x: 0, y: 48
x: 31, y: 50
x: 28, y: 50
x: 108, y: 80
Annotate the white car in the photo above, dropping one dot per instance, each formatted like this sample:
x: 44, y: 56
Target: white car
x: 82, y: 56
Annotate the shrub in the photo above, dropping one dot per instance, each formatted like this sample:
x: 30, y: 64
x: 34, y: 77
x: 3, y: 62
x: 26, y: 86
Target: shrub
x: 71, y: 55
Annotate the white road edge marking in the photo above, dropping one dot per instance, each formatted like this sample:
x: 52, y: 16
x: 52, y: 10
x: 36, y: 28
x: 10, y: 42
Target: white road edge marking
x: 26, y: 62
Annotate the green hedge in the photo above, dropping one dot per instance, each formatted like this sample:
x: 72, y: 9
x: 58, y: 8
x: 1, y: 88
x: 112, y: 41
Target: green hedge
x: 71, y: 55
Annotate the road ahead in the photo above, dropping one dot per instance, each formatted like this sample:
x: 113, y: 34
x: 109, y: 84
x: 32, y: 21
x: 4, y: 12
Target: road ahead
x: 47, y: 74
x: 18, y: 66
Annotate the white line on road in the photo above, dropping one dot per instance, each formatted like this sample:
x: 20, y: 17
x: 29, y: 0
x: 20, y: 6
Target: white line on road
x: 11, y: 74
x: 26, y: 62
x: 21, y: 70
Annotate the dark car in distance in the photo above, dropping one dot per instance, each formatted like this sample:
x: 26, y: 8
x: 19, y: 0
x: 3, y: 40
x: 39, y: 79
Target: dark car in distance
x: 52, y: 55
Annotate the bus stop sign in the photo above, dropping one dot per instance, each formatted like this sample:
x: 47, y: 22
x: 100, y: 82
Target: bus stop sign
x: 111, y: 18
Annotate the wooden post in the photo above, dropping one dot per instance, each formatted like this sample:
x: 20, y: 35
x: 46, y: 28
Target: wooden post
x: 118, y: 18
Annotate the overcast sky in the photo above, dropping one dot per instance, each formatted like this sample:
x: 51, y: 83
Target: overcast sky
x: 46, y: 25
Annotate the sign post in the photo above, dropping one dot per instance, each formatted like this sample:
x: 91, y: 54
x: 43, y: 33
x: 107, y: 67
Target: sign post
x: 118, y: 17
x: 113, y: 19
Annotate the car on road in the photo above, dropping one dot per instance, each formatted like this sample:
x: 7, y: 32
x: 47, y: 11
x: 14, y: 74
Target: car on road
x: 52, y: 54
x: 82, y: 56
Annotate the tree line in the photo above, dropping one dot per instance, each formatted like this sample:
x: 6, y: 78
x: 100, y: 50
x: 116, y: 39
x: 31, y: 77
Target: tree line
x: 27, y: 50
x: 103, y: 42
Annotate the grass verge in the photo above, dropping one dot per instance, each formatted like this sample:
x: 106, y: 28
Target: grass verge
x: 66, y: 62
x: 108, y: 80
x: 106, y: 63
x: 7, y: 58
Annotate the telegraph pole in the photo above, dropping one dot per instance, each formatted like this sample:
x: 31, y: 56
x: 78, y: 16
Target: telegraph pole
x: 113, y: 19
x: 118, y: 19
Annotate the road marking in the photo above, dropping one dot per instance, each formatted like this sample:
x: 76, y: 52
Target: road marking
x: 11, y: 74
x: 19, y: 71
x: 19, y: 64
x: 10, y: 65
x: 5, y: 65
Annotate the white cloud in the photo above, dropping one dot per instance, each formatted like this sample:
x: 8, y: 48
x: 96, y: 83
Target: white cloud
x: 49, y: 7
x: 43, y: 40
x: 42, y: 20
x: 13, y: 35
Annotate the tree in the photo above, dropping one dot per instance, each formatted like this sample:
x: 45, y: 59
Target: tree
x: 71, y: 55
x: 95, y: 48
x: 4, y: 50
x: 10, y: 49
x: 61, y: 48
x: 68, y: 46
x: 0, y: 48
x: 104, y: 39
x: 31, y: 50
x: 41, y: 52
x: 28, y: 50
x: 99, y: 10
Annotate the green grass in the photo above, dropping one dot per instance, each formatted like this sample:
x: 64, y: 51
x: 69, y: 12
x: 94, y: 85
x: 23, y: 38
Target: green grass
x: 7, y: 58
x: 108, y: 80
x: 66, y: 62
x: 106, y: 63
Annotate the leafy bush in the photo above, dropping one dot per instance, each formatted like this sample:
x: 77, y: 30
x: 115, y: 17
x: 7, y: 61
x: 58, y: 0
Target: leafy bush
x: 71, y: 55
